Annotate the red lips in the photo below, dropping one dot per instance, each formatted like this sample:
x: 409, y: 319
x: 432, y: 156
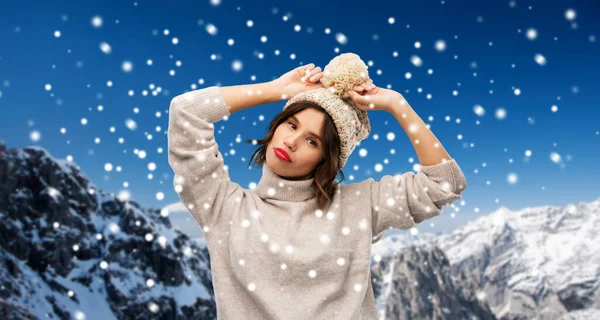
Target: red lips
x: 282, y: 154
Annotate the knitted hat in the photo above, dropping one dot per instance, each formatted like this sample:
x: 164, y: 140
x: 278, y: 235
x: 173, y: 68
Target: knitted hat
x: 340, y: 75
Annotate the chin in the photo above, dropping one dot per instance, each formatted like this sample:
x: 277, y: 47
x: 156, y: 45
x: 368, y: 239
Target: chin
x: 271, y: 161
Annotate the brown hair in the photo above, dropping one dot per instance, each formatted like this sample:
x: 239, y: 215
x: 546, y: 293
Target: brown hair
x: 326, y: 171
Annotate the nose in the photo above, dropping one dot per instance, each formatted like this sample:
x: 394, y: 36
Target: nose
x: 289, y: 143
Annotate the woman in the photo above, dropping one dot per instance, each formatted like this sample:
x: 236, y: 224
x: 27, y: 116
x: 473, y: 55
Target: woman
x: 298, y: 245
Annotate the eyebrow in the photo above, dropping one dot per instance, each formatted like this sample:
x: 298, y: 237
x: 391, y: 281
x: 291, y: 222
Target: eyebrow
x: 314, y: 134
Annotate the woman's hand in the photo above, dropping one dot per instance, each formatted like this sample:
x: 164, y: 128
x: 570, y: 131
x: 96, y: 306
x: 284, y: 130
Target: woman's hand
x: 298, y: 80
x: 368, y: 97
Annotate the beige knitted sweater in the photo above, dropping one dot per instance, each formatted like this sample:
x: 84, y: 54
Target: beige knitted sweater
x: 273, y: 254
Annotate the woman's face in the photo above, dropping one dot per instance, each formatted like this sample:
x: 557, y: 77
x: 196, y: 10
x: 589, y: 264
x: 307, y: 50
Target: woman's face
x: 299, y: 136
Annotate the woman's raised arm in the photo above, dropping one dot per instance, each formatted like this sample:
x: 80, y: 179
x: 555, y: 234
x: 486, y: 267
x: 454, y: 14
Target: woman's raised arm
x: 249, y: 95
x: 201, y: 179
x: 297, y: 80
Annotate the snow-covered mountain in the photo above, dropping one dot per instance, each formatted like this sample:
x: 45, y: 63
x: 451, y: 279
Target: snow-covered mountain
x: 538, y: 262
x: 416, y: 283
x: 71, y: 251
x: 182, y: 220
x: 535, y: 263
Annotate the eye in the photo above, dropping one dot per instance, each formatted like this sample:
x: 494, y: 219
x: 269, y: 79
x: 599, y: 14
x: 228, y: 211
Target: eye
x: 314, y: 143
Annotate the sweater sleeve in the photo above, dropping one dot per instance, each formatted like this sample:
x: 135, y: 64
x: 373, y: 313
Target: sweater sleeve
x: 405, y: 200
x: 201, y: 179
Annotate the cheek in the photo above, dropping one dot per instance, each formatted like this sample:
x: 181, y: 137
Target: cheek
x: 277, y: 132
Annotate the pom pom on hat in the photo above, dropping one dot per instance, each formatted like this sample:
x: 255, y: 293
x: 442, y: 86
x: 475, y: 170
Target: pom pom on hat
x: 340, y: 75
x: 343, y: 73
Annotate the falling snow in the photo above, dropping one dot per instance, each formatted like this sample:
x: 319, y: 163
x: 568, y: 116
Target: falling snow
x: 119, y: 122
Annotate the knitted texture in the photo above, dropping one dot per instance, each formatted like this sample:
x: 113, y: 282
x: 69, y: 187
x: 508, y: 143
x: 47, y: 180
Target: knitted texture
x: 352, y: 124
x: 289, y: 272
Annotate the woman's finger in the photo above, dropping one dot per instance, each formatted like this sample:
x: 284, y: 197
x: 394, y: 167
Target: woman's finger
x: 304, y: 70
x: 368, y: 85
x: 313, y: 72
x: 316, y: 77
x: 365, y: 86
x: 309, y: 66
x: 357, y: 98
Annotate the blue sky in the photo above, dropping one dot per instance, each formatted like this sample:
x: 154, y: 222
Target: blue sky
x: 520, y: 57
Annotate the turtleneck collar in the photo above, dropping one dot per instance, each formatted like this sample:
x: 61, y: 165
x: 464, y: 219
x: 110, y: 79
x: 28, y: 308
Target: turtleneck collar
x: 275, y: 187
